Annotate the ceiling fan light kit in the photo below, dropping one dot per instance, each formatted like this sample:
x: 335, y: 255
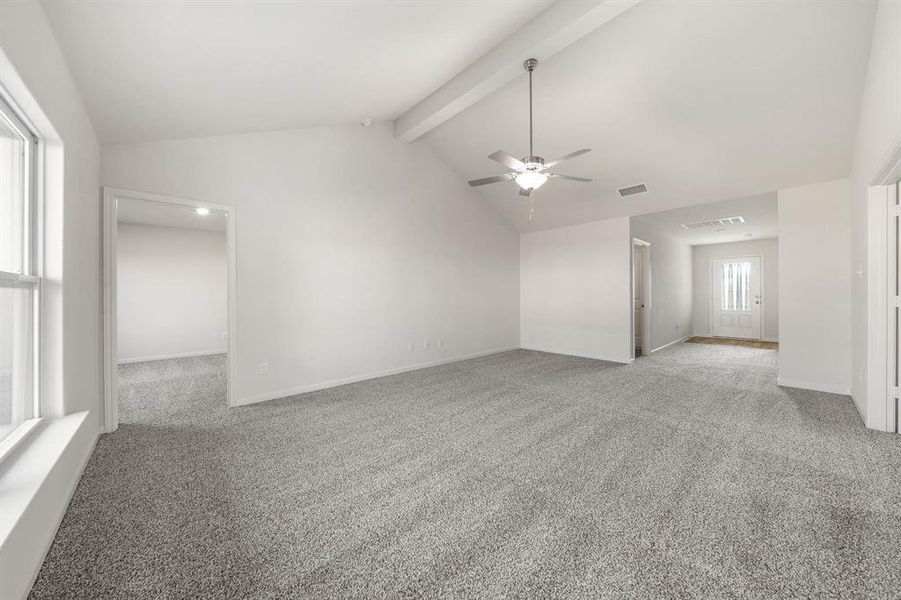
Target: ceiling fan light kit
x: 530, y: 179
x: 530, y: 172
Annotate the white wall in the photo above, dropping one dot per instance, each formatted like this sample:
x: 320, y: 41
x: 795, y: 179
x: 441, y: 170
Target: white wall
x: 29, y: 44
x: 171, y: 292
x: 37, y: 74
x: 768, y: 250
x: 671, y: 284
x: 576, y: 295
x: 879, y: 131
x: 350, y: 246
x: 815, y: 287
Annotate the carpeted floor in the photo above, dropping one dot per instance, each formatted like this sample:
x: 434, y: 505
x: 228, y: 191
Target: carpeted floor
x: 521, y: 475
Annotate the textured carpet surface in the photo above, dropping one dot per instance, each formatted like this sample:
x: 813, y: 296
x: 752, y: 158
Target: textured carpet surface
x: 521, y: 475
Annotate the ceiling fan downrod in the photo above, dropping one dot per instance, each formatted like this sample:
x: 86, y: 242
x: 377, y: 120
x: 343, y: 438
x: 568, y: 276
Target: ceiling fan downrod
x: 530, y: 65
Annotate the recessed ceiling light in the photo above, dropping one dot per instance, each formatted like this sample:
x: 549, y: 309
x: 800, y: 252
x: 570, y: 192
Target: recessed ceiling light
x: 366, y: 122
x: 203, y: 211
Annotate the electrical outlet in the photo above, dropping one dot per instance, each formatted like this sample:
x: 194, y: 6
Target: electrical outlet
x: 411, y: 347
x: 264, y: 368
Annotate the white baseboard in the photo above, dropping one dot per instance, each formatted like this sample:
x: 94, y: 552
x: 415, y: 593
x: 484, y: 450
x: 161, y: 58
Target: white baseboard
x: 171, y: 356
x: 672, y: 343
x: 815, y: 386
x: 773, y: 340
x: 51, y: 466
x: 620, y: 360
x: 314, y: 387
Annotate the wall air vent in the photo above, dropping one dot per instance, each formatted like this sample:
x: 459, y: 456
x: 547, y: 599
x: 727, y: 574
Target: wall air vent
x: 715, y: 223
x: 633, y: 189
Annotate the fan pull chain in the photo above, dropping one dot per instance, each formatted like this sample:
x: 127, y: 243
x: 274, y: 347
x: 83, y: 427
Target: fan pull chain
x: 531, y: 204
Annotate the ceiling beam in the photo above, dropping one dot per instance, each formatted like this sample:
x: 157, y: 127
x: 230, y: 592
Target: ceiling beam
x: 553, y: 30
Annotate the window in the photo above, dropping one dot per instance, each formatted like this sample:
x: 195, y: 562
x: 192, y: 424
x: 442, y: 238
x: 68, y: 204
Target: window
x: 19, y: 281
x: 736, y: 286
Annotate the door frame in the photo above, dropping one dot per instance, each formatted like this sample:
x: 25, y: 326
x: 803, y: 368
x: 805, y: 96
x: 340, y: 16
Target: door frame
x: 111, y: 196
x: 878, y: 399
x: 762, y: 323
x: 646, y: 294
x: 893, y: 314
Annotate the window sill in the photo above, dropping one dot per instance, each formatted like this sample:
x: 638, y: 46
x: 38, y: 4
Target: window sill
x: 34, y: 477
x: 9, y: 444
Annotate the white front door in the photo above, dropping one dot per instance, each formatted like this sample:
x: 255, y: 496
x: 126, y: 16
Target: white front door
x: 735, y: 298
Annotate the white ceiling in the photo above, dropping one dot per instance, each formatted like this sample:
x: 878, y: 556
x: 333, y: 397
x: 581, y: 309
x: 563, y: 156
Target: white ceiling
x: 166, y: 215
x: 760, y: 214
x: 703, y: 101
x: 163, y: 69
x: 700, y: 100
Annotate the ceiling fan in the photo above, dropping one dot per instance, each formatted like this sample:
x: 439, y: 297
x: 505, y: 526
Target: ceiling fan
x: 530, y: 173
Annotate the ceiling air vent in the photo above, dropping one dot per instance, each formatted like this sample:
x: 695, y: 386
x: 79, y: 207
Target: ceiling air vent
x: 715, y: 223
x: 633, y: 189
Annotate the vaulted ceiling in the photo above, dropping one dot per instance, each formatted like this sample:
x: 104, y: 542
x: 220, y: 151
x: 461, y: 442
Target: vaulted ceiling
x: 703, y: 101
x: 166, y: 69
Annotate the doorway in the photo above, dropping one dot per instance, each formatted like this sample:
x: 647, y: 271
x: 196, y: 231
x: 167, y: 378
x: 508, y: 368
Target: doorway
x: 641, y: 297
x: 893, y: 408
x: 169, y: 304
x: 735, y: 297
x: 880, y: 377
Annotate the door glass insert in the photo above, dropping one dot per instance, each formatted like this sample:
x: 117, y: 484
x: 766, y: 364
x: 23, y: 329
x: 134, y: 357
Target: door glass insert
x: 736, y: 286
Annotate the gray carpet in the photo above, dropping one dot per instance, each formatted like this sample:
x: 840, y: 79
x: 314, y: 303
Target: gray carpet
x: 520, y: 475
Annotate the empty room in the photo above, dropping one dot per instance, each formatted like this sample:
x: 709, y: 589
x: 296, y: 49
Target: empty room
x: 417, y: 299
x: 171, y: 311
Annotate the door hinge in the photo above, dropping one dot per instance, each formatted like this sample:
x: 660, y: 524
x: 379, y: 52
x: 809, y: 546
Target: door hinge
x: 896, y: 301
x: 896, y: 392
x: 895, y: 210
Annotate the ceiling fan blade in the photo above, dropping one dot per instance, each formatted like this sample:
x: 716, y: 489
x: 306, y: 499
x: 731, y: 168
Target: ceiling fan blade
x: 492, y: 179
x: 558, y: 176
x: 525, y: 192
x: 567, y: 157
x: 507, y: 160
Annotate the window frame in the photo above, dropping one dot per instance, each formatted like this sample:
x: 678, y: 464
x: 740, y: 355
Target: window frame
x: 31, y: 275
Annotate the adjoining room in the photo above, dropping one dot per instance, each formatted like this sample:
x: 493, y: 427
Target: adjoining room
x: 171, y: 310
x: 719, y: 276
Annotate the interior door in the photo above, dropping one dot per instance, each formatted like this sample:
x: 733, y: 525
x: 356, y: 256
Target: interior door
x: 735, y: 299
x: 638, y: 296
